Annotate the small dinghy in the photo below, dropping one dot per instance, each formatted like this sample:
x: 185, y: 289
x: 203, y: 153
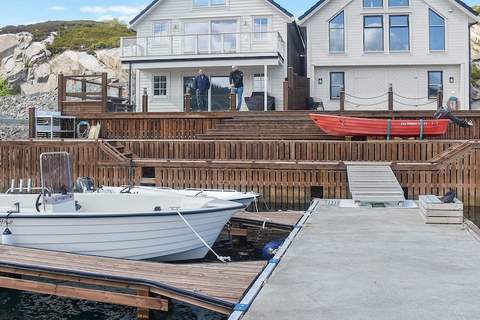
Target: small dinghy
x: 169, y: 227
x: 364, y: 127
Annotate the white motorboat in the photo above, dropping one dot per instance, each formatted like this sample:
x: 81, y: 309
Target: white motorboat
x: 169, y: 227
x: 245, y: 198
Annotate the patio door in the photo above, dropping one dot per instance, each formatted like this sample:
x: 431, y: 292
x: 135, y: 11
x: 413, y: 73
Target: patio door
x: 220, y: 93
x: 224, y: 36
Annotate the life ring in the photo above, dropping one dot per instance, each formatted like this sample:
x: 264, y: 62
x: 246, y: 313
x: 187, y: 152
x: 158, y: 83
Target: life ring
x: 83, y: 129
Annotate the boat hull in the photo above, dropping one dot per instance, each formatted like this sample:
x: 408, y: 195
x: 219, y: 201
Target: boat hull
x: 362, y: 127
x: 137, y: 236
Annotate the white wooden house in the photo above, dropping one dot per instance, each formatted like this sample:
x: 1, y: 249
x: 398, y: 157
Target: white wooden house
x: 418, y: 46
x: 175, y: 38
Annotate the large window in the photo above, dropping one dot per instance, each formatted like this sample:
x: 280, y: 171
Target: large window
x: 435, y: 83
x: 373, y: 3
x: 373, y: 33
x: 260, y: 28
x: 337, y: 33
x: 258, y: 82
x: 160, y: 86
x: 224, y: 38
x: 436, y: 31
x: 337, y: 83
x: 208, y: 3
x: 398, y: 3
x: 399, y: 33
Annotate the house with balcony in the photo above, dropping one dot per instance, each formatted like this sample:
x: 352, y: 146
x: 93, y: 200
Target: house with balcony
x: 176, y: 38
x: 362, y: 47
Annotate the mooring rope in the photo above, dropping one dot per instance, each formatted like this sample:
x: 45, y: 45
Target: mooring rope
x: 220, y: 258
x: 357, y: 105
x: 366, y: 98
x: 410, y: 98
x: 415, y: 105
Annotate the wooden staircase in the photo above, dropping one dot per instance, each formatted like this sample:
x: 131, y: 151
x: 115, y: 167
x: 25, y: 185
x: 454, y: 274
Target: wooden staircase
x: 121, y: 149
x: 267, y: 126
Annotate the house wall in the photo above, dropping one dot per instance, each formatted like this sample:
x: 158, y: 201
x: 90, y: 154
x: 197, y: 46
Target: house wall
x: 373, y: 81
x: 173, y: 102
x: 373, y: 73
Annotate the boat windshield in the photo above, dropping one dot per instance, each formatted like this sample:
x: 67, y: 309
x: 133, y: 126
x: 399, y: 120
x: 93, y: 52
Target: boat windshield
x: 56, y: 172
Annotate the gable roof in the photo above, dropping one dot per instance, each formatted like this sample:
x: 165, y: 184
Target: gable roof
x: 155, y: 2
x: 319, y: 3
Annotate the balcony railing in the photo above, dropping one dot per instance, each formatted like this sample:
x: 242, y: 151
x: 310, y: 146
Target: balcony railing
x: 203, y: 44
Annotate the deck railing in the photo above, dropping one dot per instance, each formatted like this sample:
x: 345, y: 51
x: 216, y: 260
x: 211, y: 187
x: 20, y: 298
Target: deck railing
x: 203, y: 44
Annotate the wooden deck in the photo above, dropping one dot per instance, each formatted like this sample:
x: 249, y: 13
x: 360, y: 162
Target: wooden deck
x: 282, y: 220
x: 217, y: 287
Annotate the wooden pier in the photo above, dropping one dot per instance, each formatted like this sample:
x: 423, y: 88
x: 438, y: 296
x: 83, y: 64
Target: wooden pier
x: 147, y: 285
x: 282, y: 220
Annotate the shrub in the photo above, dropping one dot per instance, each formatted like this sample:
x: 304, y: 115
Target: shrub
x: 5, y: 89
x: 475, y: 75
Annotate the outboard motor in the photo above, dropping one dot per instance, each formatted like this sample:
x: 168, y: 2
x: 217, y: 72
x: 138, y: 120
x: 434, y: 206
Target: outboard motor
x: 84, y: 185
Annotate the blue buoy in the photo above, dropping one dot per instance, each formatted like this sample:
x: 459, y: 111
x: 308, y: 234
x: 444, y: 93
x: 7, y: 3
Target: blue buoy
x: 271, y: 248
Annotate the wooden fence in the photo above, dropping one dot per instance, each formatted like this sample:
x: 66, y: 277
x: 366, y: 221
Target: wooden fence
x: 285, y: 181
x: 296, y: 90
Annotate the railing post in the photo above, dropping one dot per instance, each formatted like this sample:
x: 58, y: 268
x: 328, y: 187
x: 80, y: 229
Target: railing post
x: 61, y: 92
x: 188, y: 102
x: 233, y: 102
x: 286, y: 95
x: 342, y: 99
x: 32, y: 122
x: 390, y: 97
x: 440, y: 98
x: 84, y: 89
x: 145, y: 100
x: 105, y: 91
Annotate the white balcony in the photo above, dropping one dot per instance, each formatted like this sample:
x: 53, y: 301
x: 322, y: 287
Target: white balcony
x: 205, y: 45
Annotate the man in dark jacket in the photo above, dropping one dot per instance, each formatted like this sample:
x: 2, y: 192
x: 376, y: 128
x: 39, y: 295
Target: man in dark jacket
x: 236, y: 83
x: 202, y: 85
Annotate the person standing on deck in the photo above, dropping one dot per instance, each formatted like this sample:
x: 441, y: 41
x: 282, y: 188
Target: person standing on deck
x: 202, y: 85
x: 236, y: 83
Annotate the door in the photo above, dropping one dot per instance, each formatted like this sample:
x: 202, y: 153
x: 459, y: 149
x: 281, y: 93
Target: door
x: 220, y: 94
x: 224, y: 36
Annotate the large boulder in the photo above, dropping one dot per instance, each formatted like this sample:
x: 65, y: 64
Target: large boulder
x: 76, y: 63
x: 8, y: 43
x: 111, y: 59
x: 36, y: 53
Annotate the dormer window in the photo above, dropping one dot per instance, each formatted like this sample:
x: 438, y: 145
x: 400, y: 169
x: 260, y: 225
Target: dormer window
x: 208, y: 3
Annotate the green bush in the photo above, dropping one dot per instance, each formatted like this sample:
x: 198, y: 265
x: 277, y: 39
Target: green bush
x: 475, y: 75
x: 5, y: 89
x: 103, y: 35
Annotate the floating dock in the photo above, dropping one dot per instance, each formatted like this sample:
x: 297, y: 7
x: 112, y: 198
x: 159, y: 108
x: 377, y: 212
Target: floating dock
x: 214, y: 286
x: 282, y: 220
x: 364, y: 263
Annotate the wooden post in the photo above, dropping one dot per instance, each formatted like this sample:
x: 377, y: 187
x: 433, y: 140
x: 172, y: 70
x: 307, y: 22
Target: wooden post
x: 440, y: 98
x: 84, y: 89
x: 286, y: 97
x: 342, y: 99
x: 105, y: 91
x: 32, y: 122
x: 188, y: 102
x: 120, y: 92
x: 390, y: 99
x: 61, y: 92
x: 145, y: 100
x: 143, y: 314
x: 233, y: 102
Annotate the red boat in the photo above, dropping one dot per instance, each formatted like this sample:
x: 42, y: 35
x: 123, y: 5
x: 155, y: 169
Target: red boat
x: 364, y: 127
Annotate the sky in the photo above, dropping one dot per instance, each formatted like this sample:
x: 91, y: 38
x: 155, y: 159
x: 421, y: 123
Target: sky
x: 16, y: 12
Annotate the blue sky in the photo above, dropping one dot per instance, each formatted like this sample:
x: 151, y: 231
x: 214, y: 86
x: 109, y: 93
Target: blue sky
x: 29, y: 11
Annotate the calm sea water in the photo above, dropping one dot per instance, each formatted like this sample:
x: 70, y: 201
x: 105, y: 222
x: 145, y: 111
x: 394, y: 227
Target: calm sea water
x: 15, y: 305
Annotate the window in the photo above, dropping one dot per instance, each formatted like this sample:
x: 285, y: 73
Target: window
x: 258, y: 82
x: 161, y: 28
x: 435, y: 83
x: 437, y: 31
x: 398, y: 3
x: 160, y: 86
x: 399, y: 33
x: 337, y: 33
x: 373, y: 3
x: 224, y: 38
x: 208, y: 3
x: 337, y: 83
x: 260, y: 28
x: 373, y: 33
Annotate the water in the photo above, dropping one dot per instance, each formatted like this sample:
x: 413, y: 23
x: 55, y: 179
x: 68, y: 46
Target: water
x: 15, y: 305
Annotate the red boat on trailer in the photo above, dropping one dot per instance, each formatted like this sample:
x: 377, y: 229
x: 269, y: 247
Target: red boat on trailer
x: 364, y: 127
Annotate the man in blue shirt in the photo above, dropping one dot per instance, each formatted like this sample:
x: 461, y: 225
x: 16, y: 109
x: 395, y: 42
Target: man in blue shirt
x: 202, y: 85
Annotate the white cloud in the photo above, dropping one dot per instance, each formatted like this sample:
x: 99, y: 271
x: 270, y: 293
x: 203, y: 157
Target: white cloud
x: 110, y: 10
x: 57, y: 8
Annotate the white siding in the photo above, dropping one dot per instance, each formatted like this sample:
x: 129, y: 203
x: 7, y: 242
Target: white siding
x: 457, y: 42
x: 367, y: 82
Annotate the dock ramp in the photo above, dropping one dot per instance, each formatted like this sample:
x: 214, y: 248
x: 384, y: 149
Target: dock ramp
x: 374, y: 183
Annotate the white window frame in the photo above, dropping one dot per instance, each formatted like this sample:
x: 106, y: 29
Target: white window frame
x: 166, y: 22
x: 444, y: 35
x: 167, y: 86
x: 257, y: 76
x: 209, y: 5
x: 261, y: 35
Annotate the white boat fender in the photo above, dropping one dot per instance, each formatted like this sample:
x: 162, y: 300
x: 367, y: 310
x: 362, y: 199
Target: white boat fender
x: 7, y: 237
